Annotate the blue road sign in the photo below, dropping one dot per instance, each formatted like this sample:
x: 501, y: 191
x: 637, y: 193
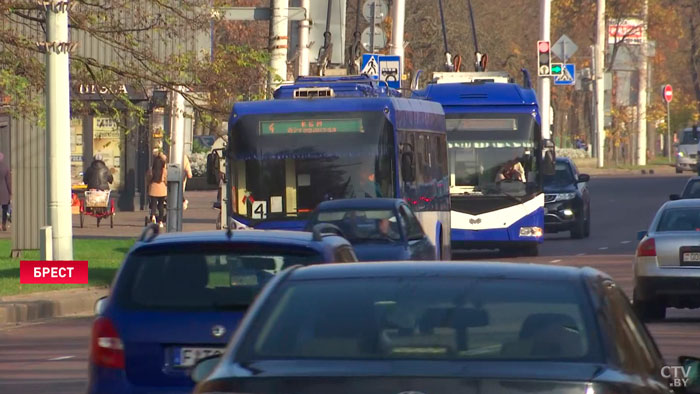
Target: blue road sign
x: 567, y: 77
x: 390, y: 70
x: 370, y: 65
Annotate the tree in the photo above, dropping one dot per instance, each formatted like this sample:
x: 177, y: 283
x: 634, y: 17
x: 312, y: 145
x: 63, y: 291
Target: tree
x: 145, y: 43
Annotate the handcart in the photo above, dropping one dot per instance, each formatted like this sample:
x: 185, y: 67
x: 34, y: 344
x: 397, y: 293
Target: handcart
x: 97, y: 203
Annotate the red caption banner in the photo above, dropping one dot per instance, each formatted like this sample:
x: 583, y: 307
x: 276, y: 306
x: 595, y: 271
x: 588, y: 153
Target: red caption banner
x: 53, y: 272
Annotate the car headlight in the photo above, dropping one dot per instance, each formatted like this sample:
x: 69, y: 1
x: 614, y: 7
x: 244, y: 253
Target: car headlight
x: 531, y: 232
x: 564, y: 196
x: 680, y: 154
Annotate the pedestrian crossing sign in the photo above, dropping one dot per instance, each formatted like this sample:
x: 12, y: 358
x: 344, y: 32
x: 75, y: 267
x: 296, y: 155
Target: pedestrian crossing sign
x: 370, y: 65
x: 567, y: 76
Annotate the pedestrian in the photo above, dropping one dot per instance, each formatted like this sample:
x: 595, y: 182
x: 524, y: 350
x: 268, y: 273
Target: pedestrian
x: 5, y: 190
x: 156, y: 177
x: 97, y: 176
x: 186, y: 174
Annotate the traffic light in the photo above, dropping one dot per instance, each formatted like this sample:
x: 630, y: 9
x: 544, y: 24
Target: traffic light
x: 544, y: 59
x: 557, y: 68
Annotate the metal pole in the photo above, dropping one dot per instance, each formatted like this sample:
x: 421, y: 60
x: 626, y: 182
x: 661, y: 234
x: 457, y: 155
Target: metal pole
x: 594, y: 134
x: 58, y: 129
x: 304, y: 27
x: 642, y: 101
x: 371, y: 27
x: 600, y: 81
x: 279, y: 31
x: 398, y: 17
x: 668, y: 137
x: 544, y: 88
x: 177, y: 151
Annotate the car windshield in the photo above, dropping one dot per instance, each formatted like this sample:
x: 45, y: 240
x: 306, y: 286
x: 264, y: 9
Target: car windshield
x: 689, y: 138
x: 493, y: 154
x: 286, y: 164
x: 424, y: 318
x: 562, y: 175
x: 360, y: 226
x: 692, y: 190
x: 203, y: 279
x: 679, y: 219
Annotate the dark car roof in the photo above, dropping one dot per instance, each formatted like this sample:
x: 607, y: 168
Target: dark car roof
x: 359, y: 203
x: 295, y: 238
x: 470, y: 269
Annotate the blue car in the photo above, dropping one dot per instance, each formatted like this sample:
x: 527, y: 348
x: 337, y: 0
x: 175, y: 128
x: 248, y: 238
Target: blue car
x: 178, y: 298
x: 380, y: 229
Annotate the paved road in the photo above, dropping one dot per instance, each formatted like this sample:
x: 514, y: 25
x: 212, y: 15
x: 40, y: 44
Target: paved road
x: 33, y: 358
x: 47, y: 357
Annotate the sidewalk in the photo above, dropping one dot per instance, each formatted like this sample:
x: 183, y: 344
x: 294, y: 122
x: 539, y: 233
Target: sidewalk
x: 589, y: 166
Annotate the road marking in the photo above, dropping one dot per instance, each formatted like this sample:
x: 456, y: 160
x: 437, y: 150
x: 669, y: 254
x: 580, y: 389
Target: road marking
x: 61, y: 358
x: 603, y: 248
x: 555, y: 261
x: 625, y: 242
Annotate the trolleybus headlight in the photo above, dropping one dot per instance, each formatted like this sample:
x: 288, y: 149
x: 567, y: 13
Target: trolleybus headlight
x: 530, y: 232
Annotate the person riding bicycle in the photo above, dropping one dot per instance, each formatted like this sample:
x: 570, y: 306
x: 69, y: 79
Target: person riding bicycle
x: 98, y: 176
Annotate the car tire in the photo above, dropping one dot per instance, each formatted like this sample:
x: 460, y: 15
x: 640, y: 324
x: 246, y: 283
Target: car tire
x: 579, y: 229
x: 587, y: 229
x: 678, y: 171
x: 649, y: 310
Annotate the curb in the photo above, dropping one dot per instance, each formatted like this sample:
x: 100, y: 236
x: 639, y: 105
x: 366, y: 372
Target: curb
x: 37, y: 306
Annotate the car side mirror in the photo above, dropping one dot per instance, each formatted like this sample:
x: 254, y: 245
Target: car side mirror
x: 204, y: 367
x: 689, y: 374
x: 100, y: 306
x: 584, y: 177
x: 640, y: 235
x: 407, y: 167
x: 674, y: 197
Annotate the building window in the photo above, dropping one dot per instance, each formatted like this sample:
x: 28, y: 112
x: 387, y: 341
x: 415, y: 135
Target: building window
x: 106, y: 140
x: 76, y: 151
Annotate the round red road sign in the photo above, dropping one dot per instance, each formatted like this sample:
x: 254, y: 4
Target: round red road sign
x: 668, y: 93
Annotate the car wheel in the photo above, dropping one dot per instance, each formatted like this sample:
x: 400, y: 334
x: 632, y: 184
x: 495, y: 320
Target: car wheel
x: 678, y: 171
x: 587, y: 230
x: 579, y: 229
x: 649, y: 310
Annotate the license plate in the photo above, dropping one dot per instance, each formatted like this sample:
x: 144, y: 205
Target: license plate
x: 691, y: 257
x: 188, y: 356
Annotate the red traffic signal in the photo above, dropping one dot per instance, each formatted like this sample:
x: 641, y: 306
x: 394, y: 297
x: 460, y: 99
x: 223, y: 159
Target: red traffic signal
x: 544, y: 60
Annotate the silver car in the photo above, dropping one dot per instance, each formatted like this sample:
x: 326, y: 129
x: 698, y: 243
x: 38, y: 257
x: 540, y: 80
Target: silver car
x: 667, y: 263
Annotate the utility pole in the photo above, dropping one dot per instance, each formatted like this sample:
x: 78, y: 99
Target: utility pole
x: 398, y: 19
x: 642, y: 101
x: 544, y: 83
x: 304, y: 27
x: 177, y: 152
x: 58, y: 174
x: 594, y: 134
x: 600, y: 81
x: 372, y: 27
x: 279, y: 31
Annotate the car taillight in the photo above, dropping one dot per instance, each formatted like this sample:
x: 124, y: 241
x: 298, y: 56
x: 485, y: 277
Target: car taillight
x: 107, y: 349
x: 647, y: 248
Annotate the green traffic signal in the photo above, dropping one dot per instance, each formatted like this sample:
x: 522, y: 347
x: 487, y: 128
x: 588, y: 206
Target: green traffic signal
x: 557, y: 68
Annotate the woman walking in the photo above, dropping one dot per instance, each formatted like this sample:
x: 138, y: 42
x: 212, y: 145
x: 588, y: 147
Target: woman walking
x: 5, y: 190
x: 157, y: 187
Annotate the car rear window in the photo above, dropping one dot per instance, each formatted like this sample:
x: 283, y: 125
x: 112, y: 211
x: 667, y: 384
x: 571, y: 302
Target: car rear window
x: 679, y: 219
x: 360, y: 225
x: 425, y: 318
x: 204, y: 278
